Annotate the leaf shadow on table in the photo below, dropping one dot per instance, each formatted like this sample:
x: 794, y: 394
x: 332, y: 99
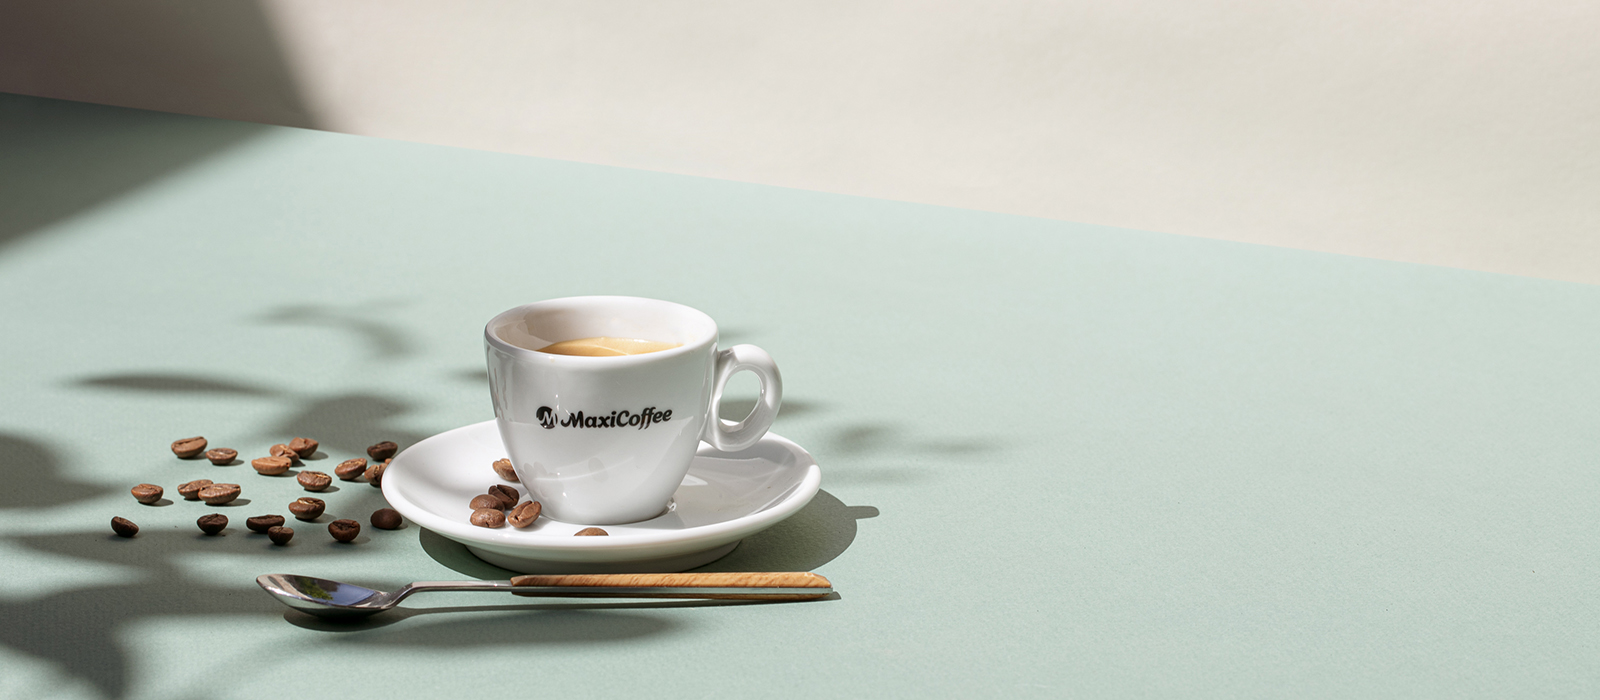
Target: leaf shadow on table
x: 77, y: 629
x: 383, y: 341
x: 862, y: 453
x: 67, y: 157
x: 345, y: 424
x: 34, y: 478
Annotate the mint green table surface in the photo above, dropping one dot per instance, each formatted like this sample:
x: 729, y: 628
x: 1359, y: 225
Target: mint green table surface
x: 1058, y: 460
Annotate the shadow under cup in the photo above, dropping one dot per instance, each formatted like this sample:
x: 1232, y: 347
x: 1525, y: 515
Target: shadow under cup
x: 601, y: 440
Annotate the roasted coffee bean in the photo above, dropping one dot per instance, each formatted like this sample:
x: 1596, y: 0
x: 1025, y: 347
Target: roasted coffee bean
x: 190, y: 490
x: 382, y: 451
x: 221, y: 456
x: 212, y: 523
x: 314, y: 481
x: 508, y: 496
x: 124, y: 527
x: 487, y: 517
x: 147, y: 493
x: 305, y: 447
x: 308, y: 508
x: 386, y: 519
x: 271, y: 466
x: 590, y: 532
x: 189, y: 447
x: 351, y: 469
x: 524, y: 514
x: 484, y: 500
x: 218, y: 494
x: 280, y: 535
x: 374, y: 473
x: 263, y: 523
x: 282, y: 450
x: 504, y: 469
x: 344, y: 530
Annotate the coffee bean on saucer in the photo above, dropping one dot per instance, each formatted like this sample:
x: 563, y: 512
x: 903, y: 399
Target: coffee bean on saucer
x: 221, y: 456
x: 523, y: 515
x: 375, y: 472
x: 218, y: 494
x: 504, y: 469
x: 590, y: 532
x: 351, y: 469
x: 188, y: 447
x: 282, y: 450
x: 280, y: 535
x: 314, y: 481
x: 305, y: 447
x: 190, y: 490
x: 484, y: 500
x: 382, y: 451
x: 263, y: 523
x: 124, y: 527
x: 508, y: 496
x: 147, y: 493
x: 487, y: 517
x: 308, y: 508
x: 344, y: 530
x: 386, y: 519
x: 271, y: 466
x: 212, y: 523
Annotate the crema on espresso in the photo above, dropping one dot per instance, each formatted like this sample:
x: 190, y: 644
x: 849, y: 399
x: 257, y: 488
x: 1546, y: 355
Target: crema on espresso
x: 604, y: 346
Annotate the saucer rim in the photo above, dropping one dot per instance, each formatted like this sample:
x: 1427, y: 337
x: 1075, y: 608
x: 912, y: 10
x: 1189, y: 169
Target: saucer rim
x: 805, y: 489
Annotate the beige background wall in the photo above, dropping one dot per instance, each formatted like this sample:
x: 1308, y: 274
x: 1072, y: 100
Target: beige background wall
x: 1453, y: 133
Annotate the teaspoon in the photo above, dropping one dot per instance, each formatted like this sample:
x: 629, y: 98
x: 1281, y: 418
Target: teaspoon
x: 335, y: 599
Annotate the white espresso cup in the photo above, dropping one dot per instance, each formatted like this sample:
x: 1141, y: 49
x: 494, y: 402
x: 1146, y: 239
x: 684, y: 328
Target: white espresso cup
x: 606, y: 440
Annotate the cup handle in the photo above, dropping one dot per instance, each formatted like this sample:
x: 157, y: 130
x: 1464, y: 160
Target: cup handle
x: 732, y: 438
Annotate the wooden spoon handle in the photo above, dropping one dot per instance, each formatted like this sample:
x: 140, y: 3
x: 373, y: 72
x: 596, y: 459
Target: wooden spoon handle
x: 762, y: 585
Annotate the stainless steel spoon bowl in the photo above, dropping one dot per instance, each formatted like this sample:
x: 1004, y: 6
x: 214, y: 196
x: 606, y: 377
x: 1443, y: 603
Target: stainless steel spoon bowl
x: 336, y: 599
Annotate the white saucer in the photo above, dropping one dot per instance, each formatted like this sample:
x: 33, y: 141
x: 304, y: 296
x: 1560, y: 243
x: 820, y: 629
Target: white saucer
x: 726, y: 497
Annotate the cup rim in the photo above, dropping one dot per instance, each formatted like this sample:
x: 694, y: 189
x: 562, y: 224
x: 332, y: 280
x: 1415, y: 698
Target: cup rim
x: 696, y: 344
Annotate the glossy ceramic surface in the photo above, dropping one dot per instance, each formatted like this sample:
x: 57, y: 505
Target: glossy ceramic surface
x: 606, y: 440
x: 724, y: 497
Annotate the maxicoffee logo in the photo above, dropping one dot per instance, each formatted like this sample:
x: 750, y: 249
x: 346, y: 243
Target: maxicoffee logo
x: 617, y: 419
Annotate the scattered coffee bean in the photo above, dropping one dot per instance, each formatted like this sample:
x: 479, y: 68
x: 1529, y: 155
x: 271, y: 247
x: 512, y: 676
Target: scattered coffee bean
x: 305, y: 447
x: 221, y: 456
x: 344, y: 530
x: 481, y: 501
x: 374, y: 473
x: 382, y: 451
x: 147, y: 493
x: 271, y: 466
x: 487, y: 517
x: 504, y: 469
x: 124, y: 527
x: 189, y: 447
x: 190, y: 490
x: 308, y: 508
x: 218, y: 494
x: 212, y: 523
x: 314, y: 481
x: 280, y: 535
x: 524, y: 514
x: 263, y: 523
x: 386, y: 519
x: 351, y: 469
x: 282, y: 450
x: 508, y: 496
x: 590, y: 532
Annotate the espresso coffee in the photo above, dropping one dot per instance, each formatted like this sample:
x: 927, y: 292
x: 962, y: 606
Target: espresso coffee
x: 603, y: 346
